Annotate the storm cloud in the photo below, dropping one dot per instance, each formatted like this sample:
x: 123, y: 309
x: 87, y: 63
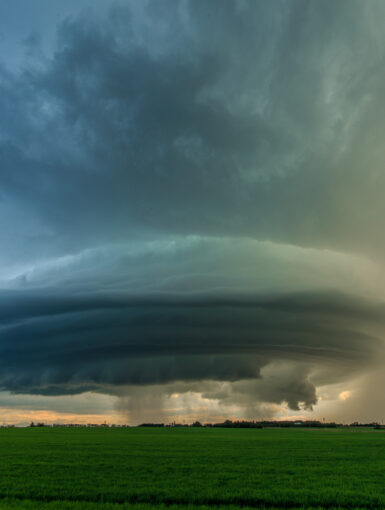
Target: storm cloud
x: 154, y: 122
x: 191, y: 193
x: 54, y: 345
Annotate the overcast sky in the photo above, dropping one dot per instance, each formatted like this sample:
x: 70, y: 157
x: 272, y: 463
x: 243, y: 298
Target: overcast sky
x: 192, y: 210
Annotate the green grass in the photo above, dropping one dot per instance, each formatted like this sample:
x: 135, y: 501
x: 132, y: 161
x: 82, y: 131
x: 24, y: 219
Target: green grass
x: 195, y: 469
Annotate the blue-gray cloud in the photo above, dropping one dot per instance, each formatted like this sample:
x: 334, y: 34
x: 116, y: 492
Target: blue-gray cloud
x: 160, y: 123
x: 220, y: 120
x: 52, y: 344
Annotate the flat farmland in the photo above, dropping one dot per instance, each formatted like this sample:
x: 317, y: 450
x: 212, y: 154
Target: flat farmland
x: 179, y: 468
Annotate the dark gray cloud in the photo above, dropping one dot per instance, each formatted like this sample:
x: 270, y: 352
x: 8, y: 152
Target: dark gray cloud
x: 199, y: 130
x: 53, y: 345
x: 283, y: 383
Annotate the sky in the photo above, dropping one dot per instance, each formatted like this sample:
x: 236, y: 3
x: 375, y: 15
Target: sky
x: 192, y: 210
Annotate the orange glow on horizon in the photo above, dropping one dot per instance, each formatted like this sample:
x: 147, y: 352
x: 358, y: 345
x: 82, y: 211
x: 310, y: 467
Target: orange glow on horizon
x: 11, y: 416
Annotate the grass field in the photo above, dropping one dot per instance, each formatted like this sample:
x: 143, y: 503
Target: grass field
x: 178, y: 468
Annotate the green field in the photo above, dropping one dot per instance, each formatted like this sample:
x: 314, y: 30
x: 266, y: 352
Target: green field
x: 178, y: 468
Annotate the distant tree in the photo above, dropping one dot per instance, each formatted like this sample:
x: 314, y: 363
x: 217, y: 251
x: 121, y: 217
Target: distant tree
x: 151, y: 425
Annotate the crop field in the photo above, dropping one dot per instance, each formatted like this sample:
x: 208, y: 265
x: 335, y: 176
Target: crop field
x: 180, y: 468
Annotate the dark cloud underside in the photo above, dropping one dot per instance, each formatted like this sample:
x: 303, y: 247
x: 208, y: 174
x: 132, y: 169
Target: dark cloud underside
x: 56, y: 343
